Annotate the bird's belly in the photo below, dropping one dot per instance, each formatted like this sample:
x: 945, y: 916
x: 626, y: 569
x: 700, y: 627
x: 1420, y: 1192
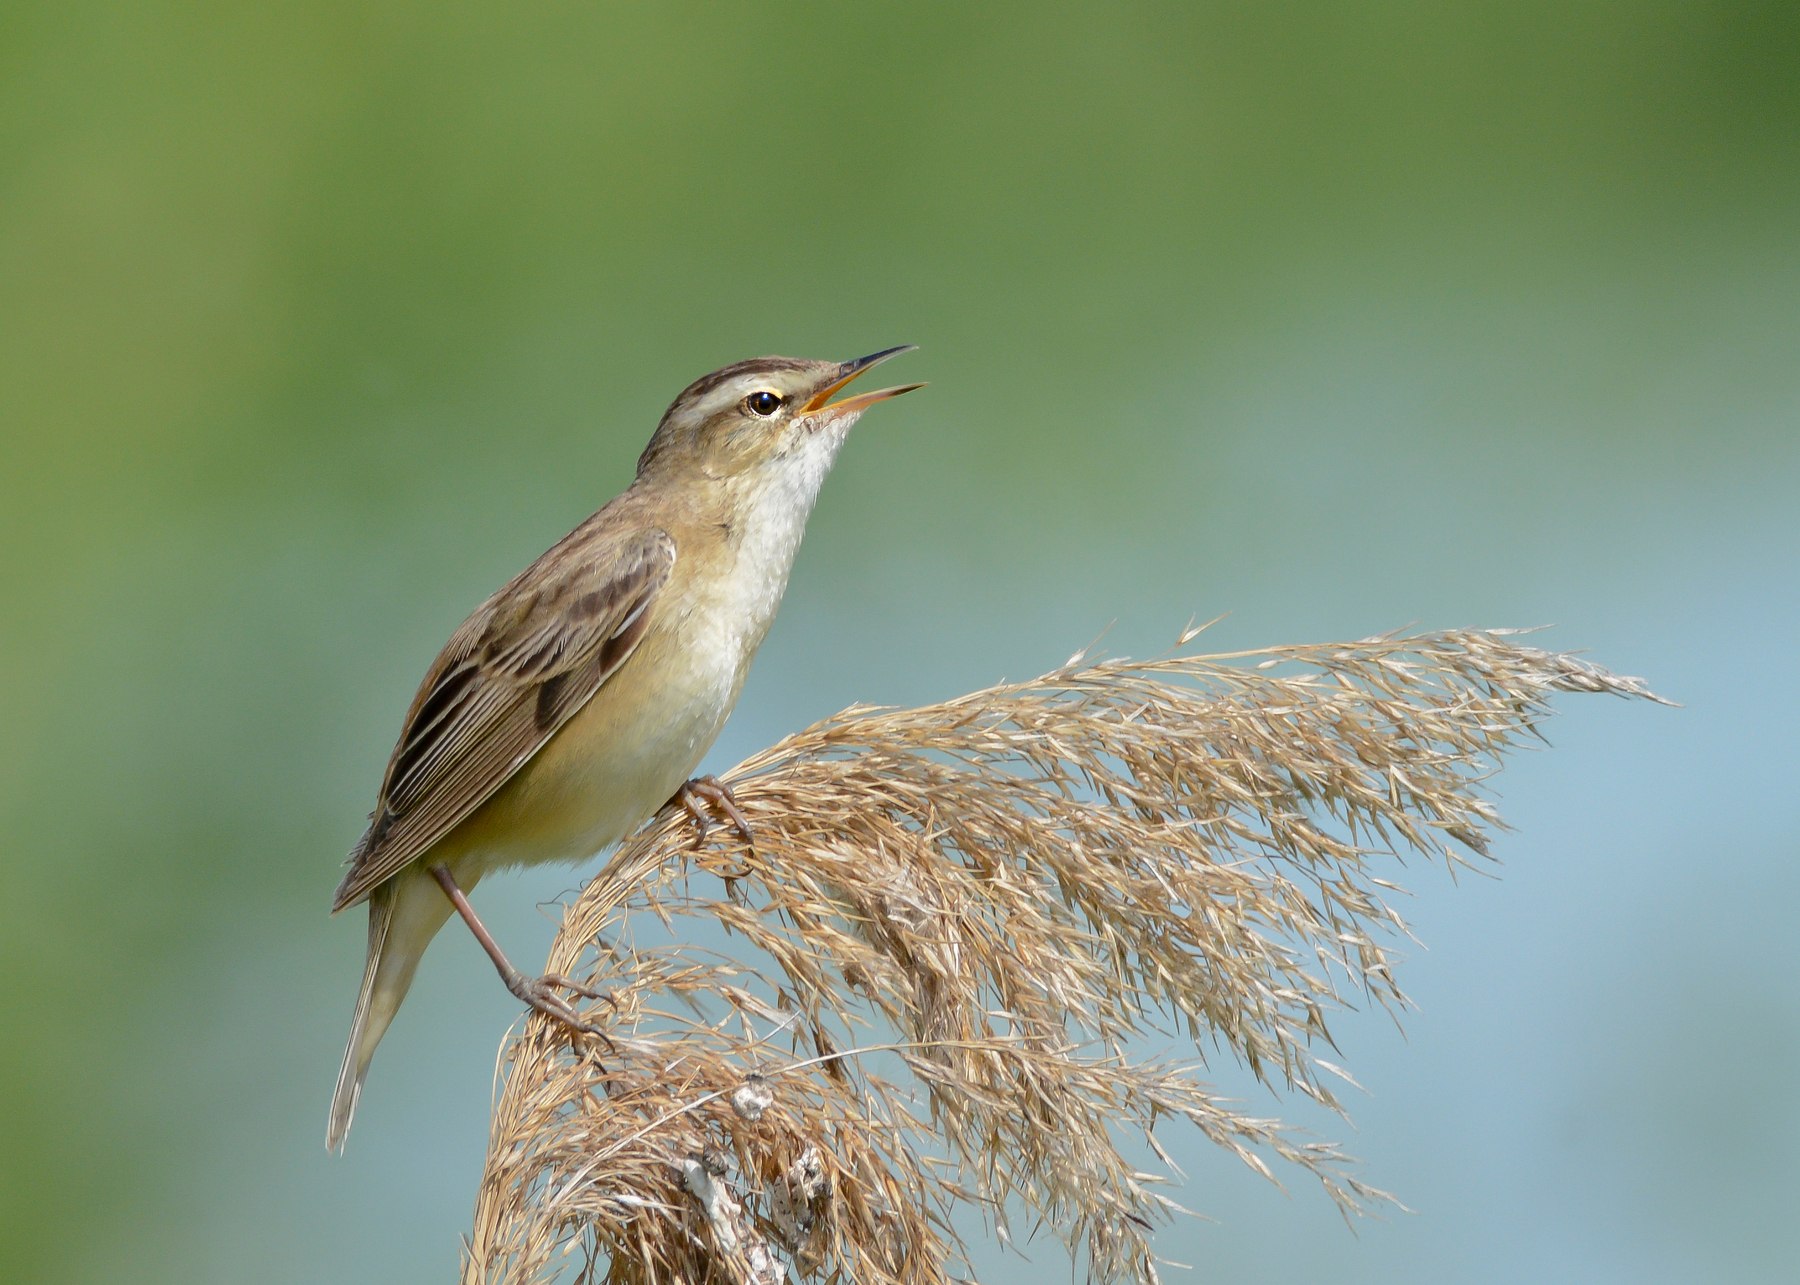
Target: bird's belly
x: 612, y: 765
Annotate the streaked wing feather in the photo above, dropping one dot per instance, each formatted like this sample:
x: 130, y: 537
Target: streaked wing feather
x: 508, y: 679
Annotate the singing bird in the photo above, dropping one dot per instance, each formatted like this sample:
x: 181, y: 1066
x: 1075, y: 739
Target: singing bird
x: 578, y: 699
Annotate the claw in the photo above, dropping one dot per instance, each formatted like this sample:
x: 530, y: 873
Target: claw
x: 703, y: 791
x: 539, y: 993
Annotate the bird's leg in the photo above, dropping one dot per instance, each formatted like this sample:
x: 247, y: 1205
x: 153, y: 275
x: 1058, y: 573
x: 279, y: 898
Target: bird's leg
x: 704, y: 791
x: 538, y: 992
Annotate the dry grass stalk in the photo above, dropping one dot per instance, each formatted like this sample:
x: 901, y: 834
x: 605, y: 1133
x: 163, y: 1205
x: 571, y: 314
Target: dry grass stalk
x: 959, y: 922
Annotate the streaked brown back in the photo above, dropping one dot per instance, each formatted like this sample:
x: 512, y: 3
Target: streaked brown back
x: 508, y: 679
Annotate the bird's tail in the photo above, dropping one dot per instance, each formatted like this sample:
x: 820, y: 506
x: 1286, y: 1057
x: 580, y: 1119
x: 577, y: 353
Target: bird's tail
x: 404, y: 914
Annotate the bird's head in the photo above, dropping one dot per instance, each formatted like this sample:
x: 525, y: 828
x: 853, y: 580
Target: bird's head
x: 762, y: 417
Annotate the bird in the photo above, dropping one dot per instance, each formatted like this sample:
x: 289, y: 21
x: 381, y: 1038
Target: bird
x: 577, y: 701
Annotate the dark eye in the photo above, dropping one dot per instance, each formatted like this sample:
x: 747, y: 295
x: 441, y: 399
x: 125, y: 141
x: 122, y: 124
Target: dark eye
x: 763, y: 403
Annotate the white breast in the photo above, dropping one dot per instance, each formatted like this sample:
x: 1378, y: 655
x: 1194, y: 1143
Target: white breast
x: 772, y: 507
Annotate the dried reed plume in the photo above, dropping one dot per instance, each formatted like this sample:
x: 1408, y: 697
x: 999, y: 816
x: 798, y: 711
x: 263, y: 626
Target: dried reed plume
x: 959, y: 922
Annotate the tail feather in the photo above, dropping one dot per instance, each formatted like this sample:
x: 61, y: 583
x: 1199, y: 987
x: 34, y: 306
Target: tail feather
x: 404, y: 915
x: 364, y: 1034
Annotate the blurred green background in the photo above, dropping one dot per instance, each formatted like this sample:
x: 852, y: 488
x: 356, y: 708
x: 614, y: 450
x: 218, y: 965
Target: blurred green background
x: 318, y: 321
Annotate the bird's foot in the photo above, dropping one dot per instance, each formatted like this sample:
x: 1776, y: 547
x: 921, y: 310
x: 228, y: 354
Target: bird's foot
x: 704, y: 792
x: 541, y: 994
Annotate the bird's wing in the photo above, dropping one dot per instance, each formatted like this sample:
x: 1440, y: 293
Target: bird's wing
x: 512, y: 675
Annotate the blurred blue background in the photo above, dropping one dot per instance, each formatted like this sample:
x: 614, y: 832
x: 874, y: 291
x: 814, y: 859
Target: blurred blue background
x: 318, y: 321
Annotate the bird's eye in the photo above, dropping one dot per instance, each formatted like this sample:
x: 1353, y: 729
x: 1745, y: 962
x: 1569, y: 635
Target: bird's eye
x: 763, y: 403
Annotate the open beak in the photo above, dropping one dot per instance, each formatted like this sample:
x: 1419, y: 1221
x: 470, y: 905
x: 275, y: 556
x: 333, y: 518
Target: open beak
x: 821, y: 400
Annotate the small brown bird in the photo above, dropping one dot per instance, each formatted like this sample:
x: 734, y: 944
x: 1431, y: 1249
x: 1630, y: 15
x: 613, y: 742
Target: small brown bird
x: 579, y: 698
